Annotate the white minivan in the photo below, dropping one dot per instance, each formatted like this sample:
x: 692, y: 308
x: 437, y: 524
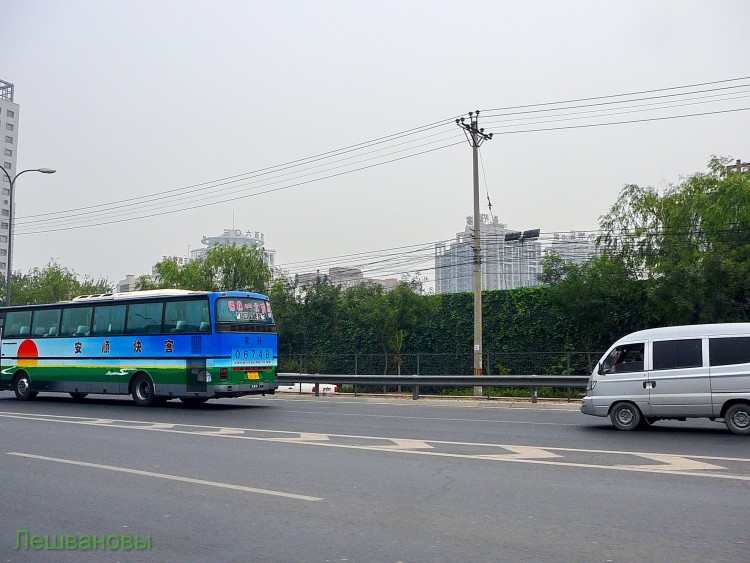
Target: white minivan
x: 674, y: 372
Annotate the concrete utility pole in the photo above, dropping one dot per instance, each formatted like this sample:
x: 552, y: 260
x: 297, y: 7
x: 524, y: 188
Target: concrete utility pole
x: 476, y: 137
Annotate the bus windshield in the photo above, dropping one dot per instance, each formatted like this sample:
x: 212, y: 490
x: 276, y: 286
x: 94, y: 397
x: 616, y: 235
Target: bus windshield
x: 243, y: 310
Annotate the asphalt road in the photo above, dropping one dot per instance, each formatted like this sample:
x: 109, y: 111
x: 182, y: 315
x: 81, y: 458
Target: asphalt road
x: 287, y: 478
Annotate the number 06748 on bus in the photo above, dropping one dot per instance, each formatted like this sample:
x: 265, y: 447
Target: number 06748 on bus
x: 244, y: 357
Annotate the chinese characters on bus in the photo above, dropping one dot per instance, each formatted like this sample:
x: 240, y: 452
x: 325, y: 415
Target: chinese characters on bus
x: 249, y: 310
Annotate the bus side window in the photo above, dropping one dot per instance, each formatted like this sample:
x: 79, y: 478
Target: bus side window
x: 144, y: 318
x: 15, y: 321
x: 45, y: 322
x: 109, y: 320
x: 75, y: 318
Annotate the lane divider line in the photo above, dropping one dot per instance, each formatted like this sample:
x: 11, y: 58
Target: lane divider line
x: 179, y: 478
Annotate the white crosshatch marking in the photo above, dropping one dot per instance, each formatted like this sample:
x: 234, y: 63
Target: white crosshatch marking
x: 666, y: 464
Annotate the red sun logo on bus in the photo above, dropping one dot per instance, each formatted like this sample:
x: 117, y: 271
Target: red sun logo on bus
x: 28, y: 354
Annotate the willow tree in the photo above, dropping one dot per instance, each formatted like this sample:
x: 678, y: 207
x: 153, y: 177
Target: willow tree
x: 692, y: 240
x: 225, y: 268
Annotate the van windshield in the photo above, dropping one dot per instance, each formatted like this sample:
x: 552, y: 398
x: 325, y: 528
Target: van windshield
x: 623, y: 359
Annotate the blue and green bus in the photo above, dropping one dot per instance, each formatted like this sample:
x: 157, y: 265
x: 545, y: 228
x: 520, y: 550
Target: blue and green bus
x: 153, y: 345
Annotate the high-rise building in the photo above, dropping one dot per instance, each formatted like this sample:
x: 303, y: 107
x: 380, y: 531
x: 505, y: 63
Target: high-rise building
x: 344, y: 277
x: 738, y: 167
x: 236, y: 237
x: 576, y: 247
x: 506, y: 264
x: 9, y: 125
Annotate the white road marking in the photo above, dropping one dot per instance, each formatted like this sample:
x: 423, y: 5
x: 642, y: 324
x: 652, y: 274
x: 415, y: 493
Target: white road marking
x: 684, y: 465
x: 404, y: 444
x: 522, y: 452
x: 241, y: 488
x: 222, y: 432
x: 676, y: 463
x: 446, y: 419
x: 159, y: 426
x: 306, y: 437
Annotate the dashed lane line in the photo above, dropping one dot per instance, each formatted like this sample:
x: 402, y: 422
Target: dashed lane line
x: 190, y: 480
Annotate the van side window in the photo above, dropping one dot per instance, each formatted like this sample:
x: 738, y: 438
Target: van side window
x: 624, y: 359
x: 674, y: 354
x: 728, y: 351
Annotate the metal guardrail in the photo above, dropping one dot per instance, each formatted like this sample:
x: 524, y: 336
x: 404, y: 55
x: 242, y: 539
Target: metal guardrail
x: 415, y: 381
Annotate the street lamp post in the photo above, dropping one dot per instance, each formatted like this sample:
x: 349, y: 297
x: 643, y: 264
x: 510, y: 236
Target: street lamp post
x: 523, y: 264
x: 12, y: 181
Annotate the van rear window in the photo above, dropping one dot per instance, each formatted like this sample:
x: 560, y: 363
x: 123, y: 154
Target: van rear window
x: 728, y: 351
x: 675, y: 354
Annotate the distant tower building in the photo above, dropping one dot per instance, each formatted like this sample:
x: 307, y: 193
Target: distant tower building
x: 9, y: 125
x: 738, y: 167
x: 236, y: 237
x: 343, y: 277
x: 574, y: 247
x: 505, y: 264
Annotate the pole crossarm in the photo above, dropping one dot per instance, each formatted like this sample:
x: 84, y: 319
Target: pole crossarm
x: 474, y: 134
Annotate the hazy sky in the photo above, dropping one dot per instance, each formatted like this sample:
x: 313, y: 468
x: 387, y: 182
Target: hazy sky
x: 131, y: 99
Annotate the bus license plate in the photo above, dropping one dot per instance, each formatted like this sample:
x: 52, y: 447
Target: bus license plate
x: 252, y: 357
x: 253, y: 375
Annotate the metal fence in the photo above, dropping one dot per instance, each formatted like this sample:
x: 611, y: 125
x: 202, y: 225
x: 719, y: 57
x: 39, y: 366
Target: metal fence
x: 417, y: 382
x: 495, y: 363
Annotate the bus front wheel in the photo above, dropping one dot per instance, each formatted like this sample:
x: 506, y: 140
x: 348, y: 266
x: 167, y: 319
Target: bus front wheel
x: 143, y: 391
x: 78, y: 396
x: 22, y: 387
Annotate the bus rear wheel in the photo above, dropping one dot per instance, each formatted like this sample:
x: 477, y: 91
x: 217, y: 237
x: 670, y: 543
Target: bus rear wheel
x: 79, y: 396
x: 143, y: 391
x: 22, y: 387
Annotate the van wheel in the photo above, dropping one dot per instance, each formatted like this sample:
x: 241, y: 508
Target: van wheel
x: 22, y: 388
x: 737, y: 419
x: 625, y: 416
x: 143, y: 391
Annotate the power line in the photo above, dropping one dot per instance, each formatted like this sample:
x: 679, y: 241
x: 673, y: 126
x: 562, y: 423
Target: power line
x: 143, y: 205
x: 636, y: 93
x: 208, y: 204
x: 589, y: 125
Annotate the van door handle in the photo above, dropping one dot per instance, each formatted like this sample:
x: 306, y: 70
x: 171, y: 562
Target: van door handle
x: 649, y: 384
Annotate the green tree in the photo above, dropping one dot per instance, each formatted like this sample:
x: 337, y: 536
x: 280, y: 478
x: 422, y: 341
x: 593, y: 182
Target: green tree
x: 238, y: 268
x: 692, y: 242
x: 404, y: 310
x: 596, y: 302
x: 225, y: 268
x: 54, y: 283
